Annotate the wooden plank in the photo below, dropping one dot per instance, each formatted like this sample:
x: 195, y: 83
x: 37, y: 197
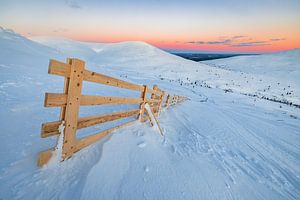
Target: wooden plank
x: 44, y: 157
x: 66, y: 87
x: 155, y: 109
x: 51, y: 128
x: 59, y: 68
x: 93, y: 120
x: 100, y: 100
x: 72, y: 107
x: 142, y: 106
x: 168, y: 101
x: 107, y: 80
x: 151, y: 91
x: 154, y: 96
x: 63, y: 69
x: 93, y: 138
x: 153, y: 104
x: 57, y: 100
x: 153, y: 101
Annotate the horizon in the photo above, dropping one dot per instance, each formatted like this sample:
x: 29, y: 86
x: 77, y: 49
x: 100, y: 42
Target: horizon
x: 259, y: 26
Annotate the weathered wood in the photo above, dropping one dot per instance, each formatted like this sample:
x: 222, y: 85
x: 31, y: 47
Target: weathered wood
x: 168, y: 101
x: 66, y: 87
x: 155, y: 110
x: 59, y: 68
x: 72, y: 107
x: 154, y: 96
x: 90, y: 121
x: 57, y: 100
x: 153, y: 101
x: 151, y: 91
x: 93, y: 138
x: 51, y: 128
x: 63, y: 69
x: 142, y: 106
x: 107, y: 80
x: 44, y: 157
x: 100, y: 100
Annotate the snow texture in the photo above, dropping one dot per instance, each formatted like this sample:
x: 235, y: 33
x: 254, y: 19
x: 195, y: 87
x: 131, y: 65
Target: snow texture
x: 231, y: 140
x: 57, y: 153
x: 155, y: 125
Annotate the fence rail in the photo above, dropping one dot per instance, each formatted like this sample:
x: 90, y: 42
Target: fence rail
x: 71, y: 99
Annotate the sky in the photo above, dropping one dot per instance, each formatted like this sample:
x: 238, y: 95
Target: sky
x: 244, y: 26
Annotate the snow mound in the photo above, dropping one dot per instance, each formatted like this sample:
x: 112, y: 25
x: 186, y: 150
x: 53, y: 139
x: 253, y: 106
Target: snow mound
x: 68, y: 47
x: 272, y: 76
x: 15, y: 49
x: 132, y: 54
x: 282, y: 65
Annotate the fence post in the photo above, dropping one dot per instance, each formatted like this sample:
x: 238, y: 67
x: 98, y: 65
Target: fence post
x: 66, y: 87
x: 168, y: 100
x: 142, y: 106
x: 72, y: 107
x: 154, y: 96
x: 160, y: 102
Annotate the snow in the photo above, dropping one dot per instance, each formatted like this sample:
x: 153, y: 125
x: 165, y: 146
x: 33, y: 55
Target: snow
x: 151, y: 116
x: 275, y: 75
x: 57, y: 153
x: 217, y: 145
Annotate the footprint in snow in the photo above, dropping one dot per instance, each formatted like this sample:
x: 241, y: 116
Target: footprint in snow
x: 142, y: 144
x: 146, y: 168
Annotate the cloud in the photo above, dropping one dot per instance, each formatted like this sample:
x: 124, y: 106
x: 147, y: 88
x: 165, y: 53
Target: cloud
x: 251, y: 44
x: 73, y: 4
x: 227, y: 41
x: 239, y: 36
x: 237, y: 41
x: 277, y: 39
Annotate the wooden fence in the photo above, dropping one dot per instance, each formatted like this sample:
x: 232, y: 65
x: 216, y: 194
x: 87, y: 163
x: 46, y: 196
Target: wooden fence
x: 71, y: 99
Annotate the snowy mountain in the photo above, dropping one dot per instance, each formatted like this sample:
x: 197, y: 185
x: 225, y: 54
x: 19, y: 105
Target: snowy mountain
x: 271, y: 76
x: 16, y: 49
x: 283, y: 66
x: 227, y: 142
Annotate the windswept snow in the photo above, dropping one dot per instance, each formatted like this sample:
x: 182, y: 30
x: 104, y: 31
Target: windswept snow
x: 152, y: 118
x: 274, y: 75
x: 220, y: 144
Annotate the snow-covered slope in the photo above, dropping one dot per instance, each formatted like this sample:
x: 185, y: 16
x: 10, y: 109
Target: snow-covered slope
x: 15, y: 49
x: 68, y: 47
x: 123, y: 55
x: 270, y: 76
x: 217, y: 145
x: 278, y: 72
x: 283, y: 65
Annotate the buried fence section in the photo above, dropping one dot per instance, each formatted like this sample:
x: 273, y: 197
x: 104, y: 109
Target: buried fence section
x: 71, y: 99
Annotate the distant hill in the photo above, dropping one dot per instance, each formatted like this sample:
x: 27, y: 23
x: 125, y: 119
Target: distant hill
x: 207, y: 56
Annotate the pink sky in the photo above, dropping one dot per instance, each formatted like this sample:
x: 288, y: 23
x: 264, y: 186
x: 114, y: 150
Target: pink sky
x: 227, y: 26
